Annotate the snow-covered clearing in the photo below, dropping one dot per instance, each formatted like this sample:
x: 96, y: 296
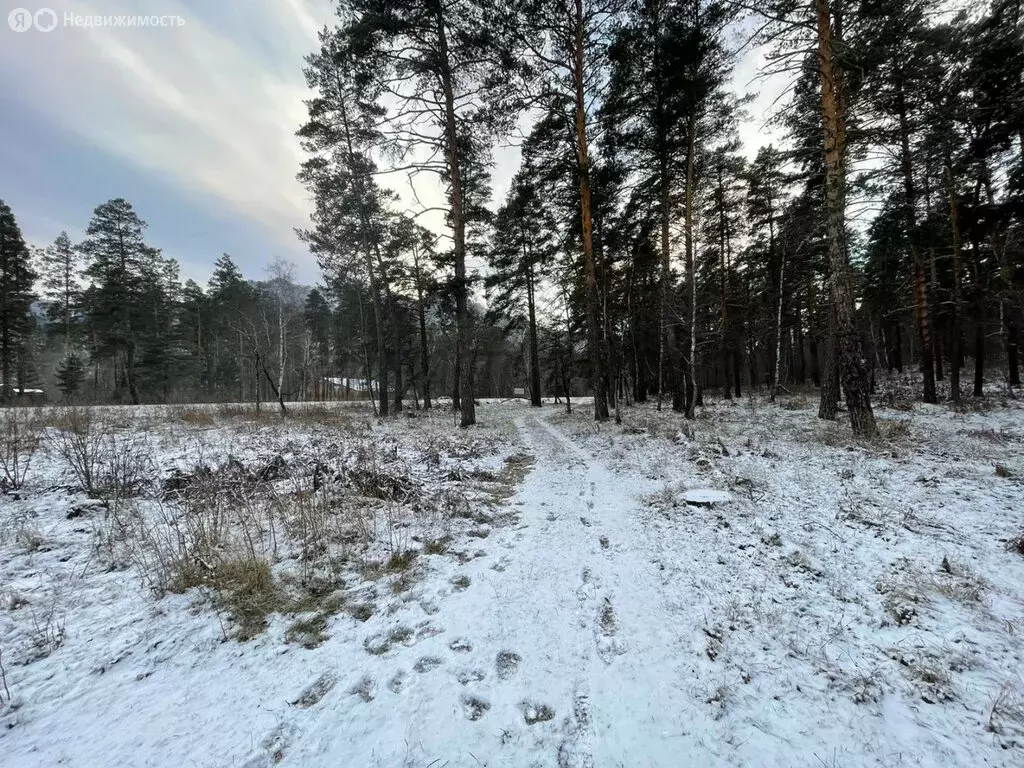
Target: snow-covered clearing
x: 752, y: 588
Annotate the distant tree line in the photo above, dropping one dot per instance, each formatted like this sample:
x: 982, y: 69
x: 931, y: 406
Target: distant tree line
x: 109, y: 320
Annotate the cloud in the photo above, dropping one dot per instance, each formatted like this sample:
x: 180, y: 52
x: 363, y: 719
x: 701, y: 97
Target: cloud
x: 212, y: 105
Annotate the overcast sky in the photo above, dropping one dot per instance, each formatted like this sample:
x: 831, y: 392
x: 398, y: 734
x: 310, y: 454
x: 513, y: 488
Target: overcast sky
x: 193, y: 124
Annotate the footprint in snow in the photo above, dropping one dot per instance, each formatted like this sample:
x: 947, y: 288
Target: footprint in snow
x: 576, y: 750
x: 467, y: 676
x: 425, y: 629
x: 605, y: 544
x: 507, y: 664
x: 365, y: 689
x: 272, y: 747
x: 427, y: 663
x: 606, y: 618
x: 608, y: 646
x: 316, y: 691
x: 461, y: 645
x: 398, y: 681
x: 585, y: 521
x: 534, y: 712
x: 473, y: 707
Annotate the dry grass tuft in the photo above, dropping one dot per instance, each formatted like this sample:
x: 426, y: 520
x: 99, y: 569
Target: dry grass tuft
x: 195, y: 417
x: 248, y: 591
x: 309, y: 633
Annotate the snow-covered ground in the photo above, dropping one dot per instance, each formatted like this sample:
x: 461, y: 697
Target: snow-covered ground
x: 752, y: 588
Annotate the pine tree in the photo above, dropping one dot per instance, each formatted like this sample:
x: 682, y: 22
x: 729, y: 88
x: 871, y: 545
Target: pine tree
x: 60, y: 272
x: 566, y: 41
x: 318, y: 321
x: 649, y: 107
x: 765, y: 201
x: 523, y: 249
x: 349, y: 220
x: 901, y: 64
x: 70, y: 375
x: 725, y: 225
x: 230, y: 297
x: 447, y: 78
x: 822, y: 24
x: 16, y: 297
x: 122, y: 267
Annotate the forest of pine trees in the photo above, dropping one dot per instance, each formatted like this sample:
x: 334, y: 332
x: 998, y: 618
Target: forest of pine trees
x: 642, y: 251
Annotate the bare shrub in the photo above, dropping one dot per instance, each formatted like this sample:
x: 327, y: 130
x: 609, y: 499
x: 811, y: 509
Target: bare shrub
x: 310, y: 517
x: 106, y: 464
x: 204, y: 519
x: 76, y: 438
x: 3, y: 681
x: 1007, y: 715
x: 206, y: 541
x: 378, y: 482
x: 48, y: 630
x: 19, y: 439
x: 126, y: 466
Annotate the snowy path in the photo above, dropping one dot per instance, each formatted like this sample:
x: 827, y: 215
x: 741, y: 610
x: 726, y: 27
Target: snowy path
x: 570, y: 627
x: 628, y: 644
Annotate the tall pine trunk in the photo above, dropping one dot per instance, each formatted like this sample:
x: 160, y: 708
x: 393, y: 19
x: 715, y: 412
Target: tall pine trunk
x: 669, y: 328
x: 371, y: 272
x: 464, y: 367
x: 828, y: 405
x: 723, y: 267
x: 923, y: 311
x: 853, y: 372
x: 979, y: 321
x: 691, y: 271
x: 956, y: 347
x: 535, y: 394
x: 422, y: 318
x: 595, y: 340
x: 778, y: 330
